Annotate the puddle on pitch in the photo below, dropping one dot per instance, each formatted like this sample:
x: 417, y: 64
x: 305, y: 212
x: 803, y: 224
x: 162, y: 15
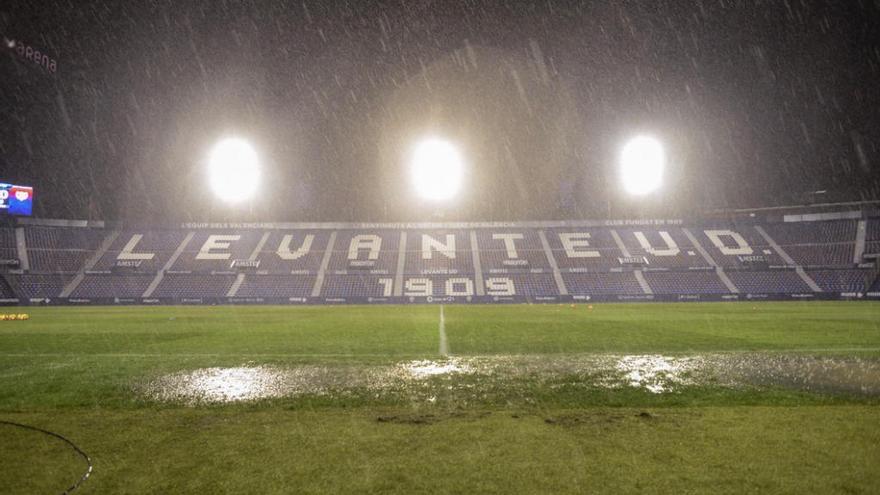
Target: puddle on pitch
x: 475, y: 376
x: 654, y: 373
x: 849, y: 374
x: 249, y: 383
x: 427, y: 368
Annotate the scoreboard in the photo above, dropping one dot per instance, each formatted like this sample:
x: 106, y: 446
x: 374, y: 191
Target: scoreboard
x: 16, y: 200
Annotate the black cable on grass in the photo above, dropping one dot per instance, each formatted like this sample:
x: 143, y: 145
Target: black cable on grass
x: 78, y: 450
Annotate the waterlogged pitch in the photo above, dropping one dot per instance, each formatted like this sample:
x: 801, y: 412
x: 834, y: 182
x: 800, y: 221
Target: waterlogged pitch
x: 632, y: 398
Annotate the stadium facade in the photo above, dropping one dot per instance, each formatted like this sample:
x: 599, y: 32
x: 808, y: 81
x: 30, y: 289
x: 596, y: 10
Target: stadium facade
x: 800, y: 256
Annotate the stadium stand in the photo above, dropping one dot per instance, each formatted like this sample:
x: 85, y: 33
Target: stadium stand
x: 61, y: 249
x: 872, y: 237
x: 112, y: 286
x: 696, y: 282
x: 6, y: 291
x: 38, y: 285
x: 768, y: 282
x: 145, y: 250
x: 194, y: 285
x: 609, y: 283
x: 540, y: 262
x: 828, y: 243
x: 276, y: 286
x: 666, y: 248
x: 302, y: 251
x: 840, y: 280
x: 727, y: 245
x: 8, y: 250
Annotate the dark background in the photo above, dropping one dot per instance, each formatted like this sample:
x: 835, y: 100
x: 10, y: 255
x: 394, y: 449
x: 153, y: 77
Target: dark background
x: 757, y: 102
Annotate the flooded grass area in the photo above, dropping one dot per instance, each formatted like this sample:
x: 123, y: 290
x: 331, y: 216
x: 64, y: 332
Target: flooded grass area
x: 477, y: 376
x: 534, y: 399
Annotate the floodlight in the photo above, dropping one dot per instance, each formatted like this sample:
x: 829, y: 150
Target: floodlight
x: 437, y: 169
x: 233, y: 170
x: 641, y: 165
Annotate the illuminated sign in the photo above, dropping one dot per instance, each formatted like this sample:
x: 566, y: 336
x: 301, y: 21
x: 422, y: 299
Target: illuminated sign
x: 16, y: 200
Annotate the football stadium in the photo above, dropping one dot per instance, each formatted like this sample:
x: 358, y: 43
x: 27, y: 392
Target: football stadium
x: 439, y: 247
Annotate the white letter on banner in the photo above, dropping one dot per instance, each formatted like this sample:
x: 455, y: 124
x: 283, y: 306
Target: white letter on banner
x: 500, y: 286
x: 419, y: 287
x: 509, y: 245
x: 742, y: 247
x: 128, y: 251
x: 429, y: 243
x: 468, y: 287
x: 284, y: 248
x: 573, y: 240
x: 365, y: 241
x: 216, y: 242
x: 671, y: 246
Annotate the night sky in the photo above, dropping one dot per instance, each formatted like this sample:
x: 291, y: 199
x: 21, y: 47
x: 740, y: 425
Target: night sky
x: 757, y: 103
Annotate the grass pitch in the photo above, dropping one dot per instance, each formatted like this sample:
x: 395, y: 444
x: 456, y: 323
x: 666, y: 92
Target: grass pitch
x: 515, y: 427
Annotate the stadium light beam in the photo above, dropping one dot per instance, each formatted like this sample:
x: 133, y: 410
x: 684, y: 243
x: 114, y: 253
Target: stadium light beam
x: 641, y: 165
x: 437, y: 169
x: 233, y: 169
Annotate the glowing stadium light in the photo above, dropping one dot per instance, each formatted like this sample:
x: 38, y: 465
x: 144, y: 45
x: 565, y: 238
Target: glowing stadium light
x: 437, y: 169
x: 641, y: 165
x: 233, y: 170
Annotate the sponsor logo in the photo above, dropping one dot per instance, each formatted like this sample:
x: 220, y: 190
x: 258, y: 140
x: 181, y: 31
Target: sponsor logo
x: 633, y: 260
x: 752, y: 258
x: 34, y: 55
x: 851, y: 294
x: 440, y: 299
x: 246, y: 299
x: 128, y: 263
x: 245, y: 264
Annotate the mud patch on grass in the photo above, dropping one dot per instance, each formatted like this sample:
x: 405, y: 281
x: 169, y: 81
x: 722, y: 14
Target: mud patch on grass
x: 409, y: 419
x: 585, y: 419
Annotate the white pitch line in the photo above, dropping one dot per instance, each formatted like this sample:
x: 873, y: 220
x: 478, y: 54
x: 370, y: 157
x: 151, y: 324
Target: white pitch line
x: 444, y: 347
